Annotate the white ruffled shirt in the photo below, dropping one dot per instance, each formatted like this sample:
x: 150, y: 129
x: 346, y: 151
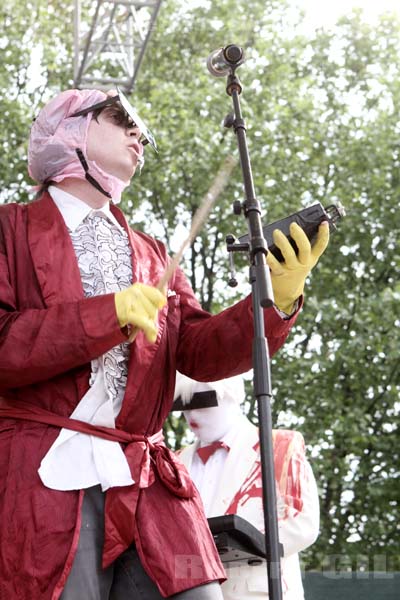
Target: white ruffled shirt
x: 76, y: 460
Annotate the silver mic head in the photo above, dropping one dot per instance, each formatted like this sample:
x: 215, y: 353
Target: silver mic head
x: 221, y: 62
x: 217, y: 64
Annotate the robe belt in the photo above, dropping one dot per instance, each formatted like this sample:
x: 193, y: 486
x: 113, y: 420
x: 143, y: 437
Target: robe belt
x: 143, y: 452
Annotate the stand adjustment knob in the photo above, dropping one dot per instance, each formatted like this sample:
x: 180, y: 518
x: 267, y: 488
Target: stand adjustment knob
x: 232, y: 282
x: 229, y: 120
x: 237, y: 207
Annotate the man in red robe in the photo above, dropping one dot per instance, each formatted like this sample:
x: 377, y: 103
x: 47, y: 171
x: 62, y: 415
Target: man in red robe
x: 92, y: 503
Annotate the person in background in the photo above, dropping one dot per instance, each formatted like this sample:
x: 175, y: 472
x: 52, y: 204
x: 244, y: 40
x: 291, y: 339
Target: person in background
x: 224, y: 463
x: 92, y: 503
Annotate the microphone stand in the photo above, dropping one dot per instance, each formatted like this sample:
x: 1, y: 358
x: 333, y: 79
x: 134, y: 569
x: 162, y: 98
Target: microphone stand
x: 262, y: 297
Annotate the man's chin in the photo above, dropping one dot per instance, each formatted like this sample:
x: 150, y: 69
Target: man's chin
x: 136, y: 169
x: 127, y: 174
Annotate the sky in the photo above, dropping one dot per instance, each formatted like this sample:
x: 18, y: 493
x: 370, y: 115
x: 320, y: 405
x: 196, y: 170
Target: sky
x: 326, y: 12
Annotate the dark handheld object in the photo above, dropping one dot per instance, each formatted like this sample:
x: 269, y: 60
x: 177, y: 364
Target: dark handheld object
x: 309, y: 219
x: 237, y: 540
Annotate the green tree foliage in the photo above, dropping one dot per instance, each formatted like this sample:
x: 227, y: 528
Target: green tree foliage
x: 323, y: 126
x: 322, y: 116
x: 36, y: 62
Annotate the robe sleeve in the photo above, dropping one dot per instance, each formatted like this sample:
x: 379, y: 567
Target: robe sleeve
x: 224, y: 339
x: 37, y: 344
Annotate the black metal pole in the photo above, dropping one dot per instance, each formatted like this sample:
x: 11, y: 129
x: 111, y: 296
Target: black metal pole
x: 262, y: 296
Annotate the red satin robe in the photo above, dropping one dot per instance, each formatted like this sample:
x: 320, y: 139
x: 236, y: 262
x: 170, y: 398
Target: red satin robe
x: 49, y: 333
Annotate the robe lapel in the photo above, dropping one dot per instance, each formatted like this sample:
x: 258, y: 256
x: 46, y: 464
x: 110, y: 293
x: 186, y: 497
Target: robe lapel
x: 238, y: 465
x: 52, y: 253
x: 145, y: 269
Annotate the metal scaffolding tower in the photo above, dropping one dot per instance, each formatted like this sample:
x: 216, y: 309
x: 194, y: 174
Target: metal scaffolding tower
x: 110, y: 39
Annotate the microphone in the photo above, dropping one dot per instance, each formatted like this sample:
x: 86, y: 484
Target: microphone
x: 223, y: 60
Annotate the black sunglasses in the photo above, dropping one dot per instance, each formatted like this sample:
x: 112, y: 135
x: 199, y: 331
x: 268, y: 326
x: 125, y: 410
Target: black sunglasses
x: 128, y: 118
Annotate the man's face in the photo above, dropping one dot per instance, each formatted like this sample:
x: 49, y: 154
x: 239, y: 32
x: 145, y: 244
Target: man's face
x: 113, y: 143
x: 211, y: 424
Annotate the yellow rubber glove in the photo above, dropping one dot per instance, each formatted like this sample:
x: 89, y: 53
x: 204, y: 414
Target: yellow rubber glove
x: 288, y: 277
x: 138, y: 305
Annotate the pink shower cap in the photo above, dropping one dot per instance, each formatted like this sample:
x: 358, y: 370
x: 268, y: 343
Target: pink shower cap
x: 55, y: 137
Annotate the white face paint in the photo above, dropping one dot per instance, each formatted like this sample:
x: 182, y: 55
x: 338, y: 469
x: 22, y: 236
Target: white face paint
x: 211, y: 424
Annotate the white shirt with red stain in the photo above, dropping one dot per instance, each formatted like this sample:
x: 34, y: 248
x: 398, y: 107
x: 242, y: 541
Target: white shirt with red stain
x: 230, y: 483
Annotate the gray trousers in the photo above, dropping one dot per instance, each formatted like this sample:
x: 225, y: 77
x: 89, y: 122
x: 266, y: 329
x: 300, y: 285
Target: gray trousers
x: 125, y: 579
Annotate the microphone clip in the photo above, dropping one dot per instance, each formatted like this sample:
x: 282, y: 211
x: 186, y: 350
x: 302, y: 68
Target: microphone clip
x: 224, y: 61
x: 232, y: 245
